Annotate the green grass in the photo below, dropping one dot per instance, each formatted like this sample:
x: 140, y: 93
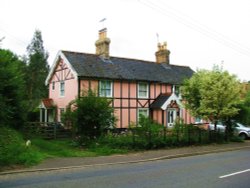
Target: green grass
x: 66, y: 148
x: 60, y: 148
x: 13, y: 150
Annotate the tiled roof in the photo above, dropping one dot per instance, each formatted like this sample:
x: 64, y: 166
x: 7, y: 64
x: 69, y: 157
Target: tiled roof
x: 93, y: 66
x: 48, y: 103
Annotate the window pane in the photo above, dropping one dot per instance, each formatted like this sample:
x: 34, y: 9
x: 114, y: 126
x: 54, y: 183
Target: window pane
x: 143, y: 93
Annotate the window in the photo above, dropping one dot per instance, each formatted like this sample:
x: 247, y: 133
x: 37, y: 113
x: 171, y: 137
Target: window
x: 62, y: 88
x: 53, y: 85
x: 176, y: 90
x: 142, y: 90
x: 105, y: 88
x: 171, y: 117
x: 143, y: 111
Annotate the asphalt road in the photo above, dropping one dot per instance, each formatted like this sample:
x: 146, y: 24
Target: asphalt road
x: 228, y: 169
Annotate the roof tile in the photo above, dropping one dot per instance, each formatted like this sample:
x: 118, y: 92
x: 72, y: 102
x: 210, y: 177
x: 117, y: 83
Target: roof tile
x: 93, y: 66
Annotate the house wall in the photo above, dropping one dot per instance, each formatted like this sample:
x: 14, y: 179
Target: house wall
x: 126, y: 102
x: 125, y: 99
x: 62, y: 73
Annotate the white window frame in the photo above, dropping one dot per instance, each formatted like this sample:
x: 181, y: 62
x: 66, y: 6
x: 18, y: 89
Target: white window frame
x: 139, y: 90
x: 171, y: 117
x: 62, y: 89
x: 103, y: 88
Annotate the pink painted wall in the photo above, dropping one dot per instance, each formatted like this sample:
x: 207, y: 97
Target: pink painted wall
x: 126, y: 103
x: 62, y: 73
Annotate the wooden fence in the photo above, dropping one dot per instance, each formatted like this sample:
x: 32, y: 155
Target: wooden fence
x: 46, y: 130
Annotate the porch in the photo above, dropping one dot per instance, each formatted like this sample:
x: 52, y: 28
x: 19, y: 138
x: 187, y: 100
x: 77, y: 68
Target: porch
x: 47, y: 111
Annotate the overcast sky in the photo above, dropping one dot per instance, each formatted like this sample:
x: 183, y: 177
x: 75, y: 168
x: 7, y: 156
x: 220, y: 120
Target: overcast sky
x: 199, y: 33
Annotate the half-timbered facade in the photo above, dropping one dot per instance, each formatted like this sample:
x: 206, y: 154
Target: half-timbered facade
x: 135, y: 86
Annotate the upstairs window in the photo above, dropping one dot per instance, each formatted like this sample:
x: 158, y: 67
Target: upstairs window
x: 176, y: 90
x: 105, y: 88
x: 142, y: 90
x: 62, y: 88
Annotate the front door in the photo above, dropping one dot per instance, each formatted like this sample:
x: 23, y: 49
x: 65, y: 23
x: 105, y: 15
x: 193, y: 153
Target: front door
x: 171, y: 117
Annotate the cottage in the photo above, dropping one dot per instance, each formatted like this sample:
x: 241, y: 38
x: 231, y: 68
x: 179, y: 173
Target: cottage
x: 135, y: 86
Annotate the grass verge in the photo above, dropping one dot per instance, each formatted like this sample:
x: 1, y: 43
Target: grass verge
x: 14, y: 152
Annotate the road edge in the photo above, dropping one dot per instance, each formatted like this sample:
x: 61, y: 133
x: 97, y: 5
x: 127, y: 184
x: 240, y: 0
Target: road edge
x: 126, y: 162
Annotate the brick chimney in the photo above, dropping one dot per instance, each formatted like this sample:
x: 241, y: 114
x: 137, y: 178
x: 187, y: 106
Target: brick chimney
x: 102, y: 44
x: 162, y: 55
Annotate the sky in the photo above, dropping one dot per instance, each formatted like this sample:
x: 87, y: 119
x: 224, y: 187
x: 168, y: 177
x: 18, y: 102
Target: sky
x: 199, y: 33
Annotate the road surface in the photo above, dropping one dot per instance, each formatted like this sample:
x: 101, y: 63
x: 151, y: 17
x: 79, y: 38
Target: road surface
x: 228, y: 169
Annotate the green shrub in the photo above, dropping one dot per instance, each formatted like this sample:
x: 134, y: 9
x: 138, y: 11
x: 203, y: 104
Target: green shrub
x: 147, y: 134
x: 90, y: 116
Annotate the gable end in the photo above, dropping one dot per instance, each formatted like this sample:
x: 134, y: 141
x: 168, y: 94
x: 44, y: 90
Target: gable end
x: 60, y: 56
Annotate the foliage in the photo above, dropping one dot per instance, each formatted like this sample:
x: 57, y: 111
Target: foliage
x: 12, y: 88
x: 91, y: 116
x: 244, y: 114
x: 37, y: 71
x: 147, y: 132
x: 212, y: 95
x: 14, y: 151
x: 59, y: 148
x: 187, y: 134
x: 151, y: 135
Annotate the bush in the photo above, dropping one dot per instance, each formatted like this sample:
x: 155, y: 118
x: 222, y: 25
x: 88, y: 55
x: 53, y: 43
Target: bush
x: 148, y: 134
x: 90, y: 116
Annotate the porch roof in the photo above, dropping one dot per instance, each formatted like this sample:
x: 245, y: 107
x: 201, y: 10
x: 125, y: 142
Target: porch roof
x: 46, y: 103
x: 163, y: 100
x: 159, y: 101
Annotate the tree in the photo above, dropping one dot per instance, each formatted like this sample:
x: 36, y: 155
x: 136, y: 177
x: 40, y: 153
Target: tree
x: 12, y: 87
x: 37, y: 70
x: 212, y: 95
x: 90, y: 115
x: 244, y: 114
